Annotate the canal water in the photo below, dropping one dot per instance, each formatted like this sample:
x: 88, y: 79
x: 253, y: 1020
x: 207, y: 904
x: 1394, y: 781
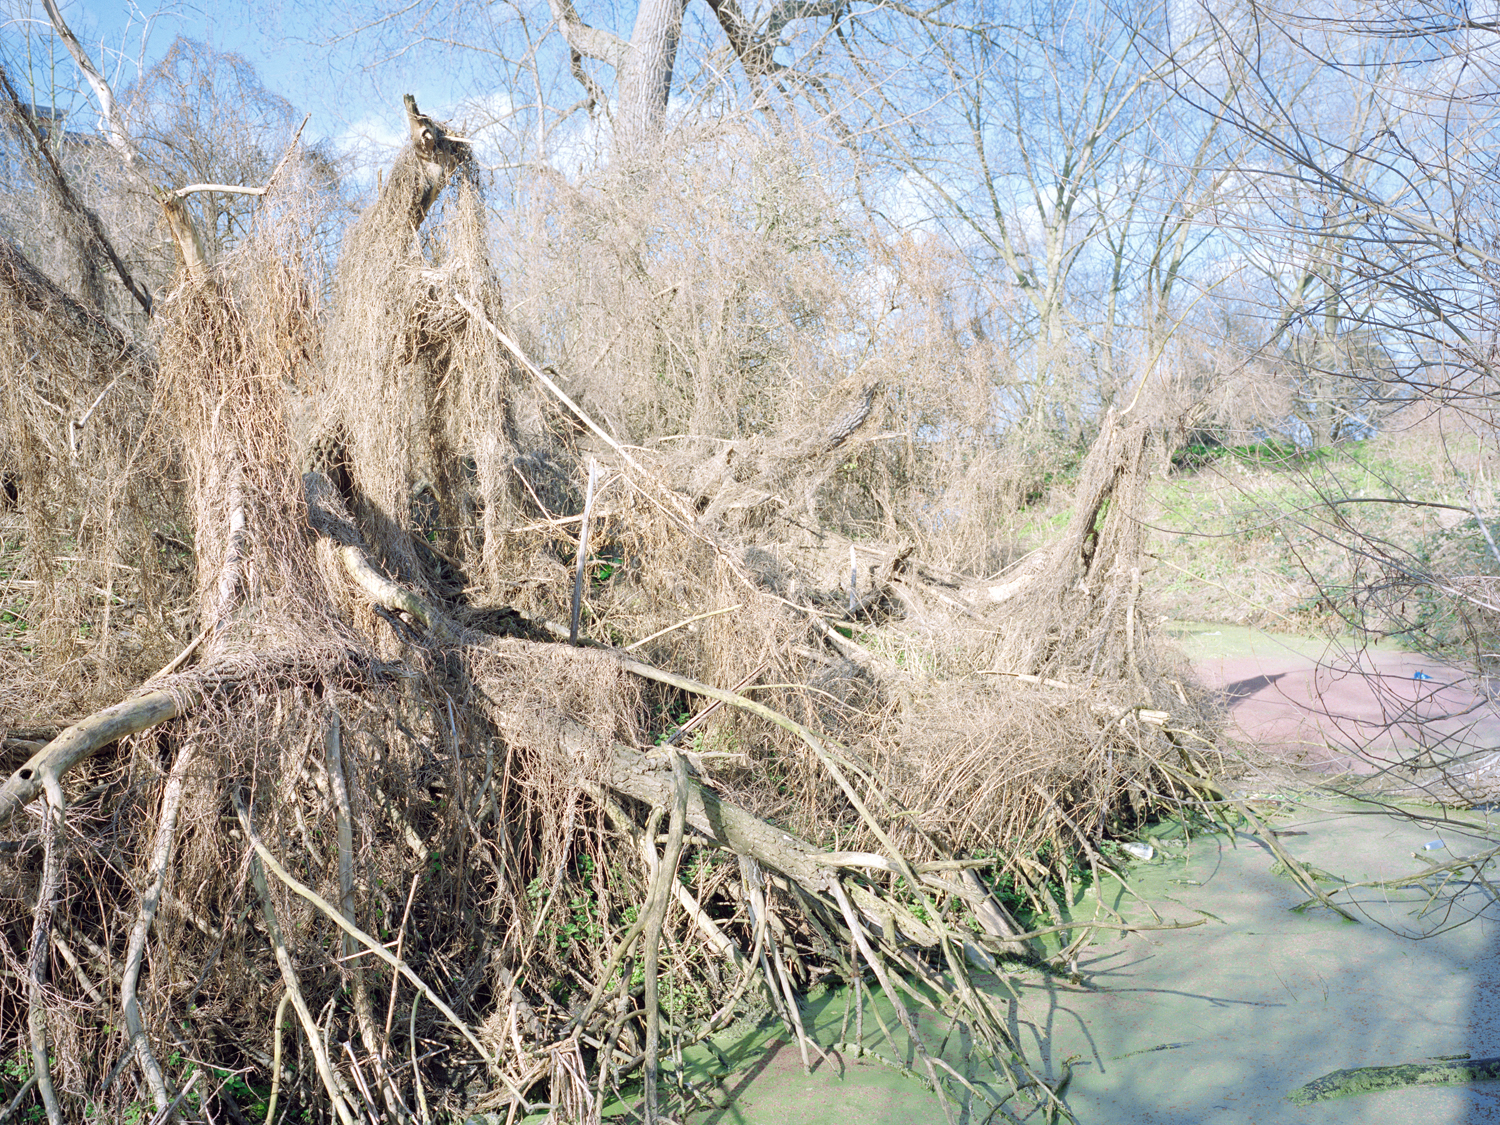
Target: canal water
x: 1219, y: 1022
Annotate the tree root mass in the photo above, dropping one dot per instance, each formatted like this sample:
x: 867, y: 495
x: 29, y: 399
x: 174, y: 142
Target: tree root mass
x: 378, y: 846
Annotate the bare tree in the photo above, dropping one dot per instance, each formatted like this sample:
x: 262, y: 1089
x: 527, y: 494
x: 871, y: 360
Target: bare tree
x: 203, y: 117
x: 1370, y: 201
x: 821, y: 57
x: 1373, y: 187
x: 1303, y: 241
x: 1057, y: 157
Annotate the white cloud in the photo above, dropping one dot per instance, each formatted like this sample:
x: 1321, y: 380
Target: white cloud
x: 370, y: 143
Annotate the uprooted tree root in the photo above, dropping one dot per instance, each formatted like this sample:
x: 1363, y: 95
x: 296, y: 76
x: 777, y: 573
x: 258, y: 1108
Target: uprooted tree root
x: 378, y: 845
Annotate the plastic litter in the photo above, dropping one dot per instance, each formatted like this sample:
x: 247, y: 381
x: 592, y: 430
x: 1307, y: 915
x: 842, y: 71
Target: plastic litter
x: 1139, y: 851
x: 1432, y: 845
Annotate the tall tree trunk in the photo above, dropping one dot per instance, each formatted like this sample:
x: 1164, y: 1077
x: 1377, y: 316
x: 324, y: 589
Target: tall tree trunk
x: 645, y: 77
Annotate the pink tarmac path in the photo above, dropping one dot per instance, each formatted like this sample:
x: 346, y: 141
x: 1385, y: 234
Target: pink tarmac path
x: 1332, y: 709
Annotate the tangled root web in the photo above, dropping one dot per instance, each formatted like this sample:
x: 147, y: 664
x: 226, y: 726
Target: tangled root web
x: 380, y: 844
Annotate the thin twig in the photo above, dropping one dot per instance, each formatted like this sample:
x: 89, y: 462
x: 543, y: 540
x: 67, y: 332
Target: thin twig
x: 71, y: 958
x: 682, y: 624
x: 390, y: 1008
x: 333, y: 742
x: 416, y: 1070
x: 375, y: 947
x: 858, y: 933
x: 41, y: 945
x: 182, y: 657
x: 702, y: 716
x: 515, y: 350
x: 359, y: 1080
x: 659, y: 902
x: 15, y: 1103
x: 293, y: 988
x: 1298, y: 872
x: 792, y: 1010
x: 583, y: 553
x: 276, y: 1058
x: 170, y: 1110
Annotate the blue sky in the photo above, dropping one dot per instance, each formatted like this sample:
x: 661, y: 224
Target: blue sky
x: 290, y: 46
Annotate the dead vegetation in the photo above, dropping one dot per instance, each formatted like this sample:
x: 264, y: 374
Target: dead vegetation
x: 310, y: 805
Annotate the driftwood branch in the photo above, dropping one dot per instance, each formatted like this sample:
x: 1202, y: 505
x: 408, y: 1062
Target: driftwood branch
x: 392, y: 595
x: 276, y: 1057
x: 239, y: 189
x: 635, y: 775
x: 119, y: 140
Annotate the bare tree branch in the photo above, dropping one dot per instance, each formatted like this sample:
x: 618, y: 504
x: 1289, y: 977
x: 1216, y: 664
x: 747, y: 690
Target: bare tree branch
x: 69, y: 199
x: 586, y: 40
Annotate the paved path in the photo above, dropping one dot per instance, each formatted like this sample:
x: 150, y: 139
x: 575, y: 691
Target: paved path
x: 1333, y: 709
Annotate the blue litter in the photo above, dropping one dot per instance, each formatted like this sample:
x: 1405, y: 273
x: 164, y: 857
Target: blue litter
x: 1432, y: 845
x: 1420, y: 675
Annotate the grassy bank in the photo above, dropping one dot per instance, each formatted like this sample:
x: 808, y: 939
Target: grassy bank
x: 1297, y: 541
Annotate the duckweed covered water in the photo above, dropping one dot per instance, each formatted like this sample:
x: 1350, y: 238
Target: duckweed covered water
x: 1220, y: 1022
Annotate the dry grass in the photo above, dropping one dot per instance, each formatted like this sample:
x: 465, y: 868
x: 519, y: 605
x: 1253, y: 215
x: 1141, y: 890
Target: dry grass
x: 93, y: 564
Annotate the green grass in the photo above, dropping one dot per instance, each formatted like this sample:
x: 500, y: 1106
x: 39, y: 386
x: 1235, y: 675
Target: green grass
x: 1245, y: 534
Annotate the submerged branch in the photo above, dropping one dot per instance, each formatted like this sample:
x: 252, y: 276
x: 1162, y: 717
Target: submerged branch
x: 1376, y: 1079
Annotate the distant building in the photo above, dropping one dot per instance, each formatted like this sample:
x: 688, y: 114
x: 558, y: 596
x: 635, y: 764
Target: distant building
x: 51, y: 123
x: 49, y: 120
x: 69, y: 148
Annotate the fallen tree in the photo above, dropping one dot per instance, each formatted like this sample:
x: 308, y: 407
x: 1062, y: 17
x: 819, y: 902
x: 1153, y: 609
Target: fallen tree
x: 378, y: 788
